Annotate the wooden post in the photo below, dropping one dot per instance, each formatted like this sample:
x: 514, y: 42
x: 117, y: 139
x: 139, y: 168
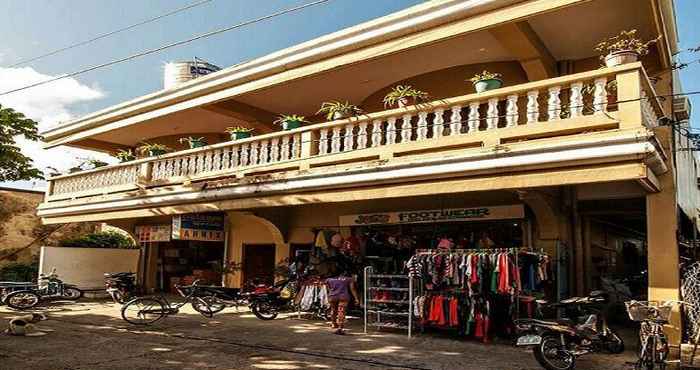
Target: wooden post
x: 629, y: 106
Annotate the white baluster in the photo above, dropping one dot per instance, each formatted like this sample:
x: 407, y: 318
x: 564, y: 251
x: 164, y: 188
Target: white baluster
x: 235, y: 157
x: 533, y: 107
x: 456, y: 120
x: 474, y: 119
x: 296, y: 148
x: 422, y: 126
x: 323, y: 141
x: 285, y: 148
x: 554, y: 104
x: 335, y: 140
x: 376, y: 134
x: 576, y: 100
x: 406, y: 128
x: 245, y: 158
x: 263, y: 152
x: 492, y: 114
x: 512, y: 111
x: 600, y: 96
x: 274, y: 150
x: 254, y: 153
x: 362, y: 136
x: 191, y: 165
x: 438, y: 123
x: 391, y: 131
x: 348, y: 139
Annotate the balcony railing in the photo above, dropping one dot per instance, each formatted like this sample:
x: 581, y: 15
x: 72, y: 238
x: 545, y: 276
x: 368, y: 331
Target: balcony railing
x: 609, y: 98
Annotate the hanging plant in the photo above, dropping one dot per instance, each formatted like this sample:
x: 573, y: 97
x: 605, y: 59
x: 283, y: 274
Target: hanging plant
x: 403, y: 95
x: 338, y: 110
x: 193, y: 142
x: 153, y: 149
x: 626, y: 47
x: 486, y: 80
x: 290, y: 121
x: 239, y: 132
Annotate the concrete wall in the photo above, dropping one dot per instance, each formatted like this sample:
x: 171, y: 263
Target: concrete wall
x: 85, y: 267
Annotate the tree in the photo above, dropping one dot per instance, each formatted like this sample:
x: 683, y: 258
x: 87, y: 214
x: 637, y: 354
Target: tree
x: 14, y: 165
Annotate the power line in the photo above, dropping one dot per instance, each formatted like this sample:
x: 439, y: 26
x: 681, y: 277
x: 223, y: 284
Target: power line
x: 167, y: 46
x: 104, y: 35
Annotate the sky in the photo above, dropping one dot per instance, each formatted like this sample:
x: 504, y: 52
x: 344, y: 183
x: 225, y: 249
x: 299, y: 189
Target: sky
x: 30, y: 28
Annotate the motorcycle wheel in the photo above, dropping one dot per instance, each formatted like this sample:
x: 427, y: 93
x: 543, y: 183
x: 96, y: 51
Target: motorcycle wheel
x: 215, y: 305
x: 72, y: 294
x: 118, y: 297
x: 264, y: 311
x: 614, y: 343
x: 552, y: 356
x: 22, y: 300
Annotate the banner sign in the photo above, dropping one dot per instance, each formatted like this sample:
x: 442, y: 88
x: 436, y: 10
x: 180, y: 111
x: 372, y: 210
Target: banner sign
x: 199, y: 226
x: 436, y: 215
x: 153, y: 233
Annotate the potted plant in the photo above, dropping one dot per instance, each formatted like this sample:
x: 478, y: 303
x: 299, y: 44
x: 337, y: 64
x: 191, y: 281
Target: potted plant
x: 239, y: 132
x: 403, y: 95
x: 290, y: 122
x: 153, y: 149
x: 339, y: 110
x: 486, y: 80
x: 125, y: 155
x: 95, y: 163
x: 623, y: 48
x: 193, y: 142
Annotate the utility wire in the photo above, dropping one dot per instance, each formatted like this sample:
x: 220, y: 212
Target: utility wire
x: 108, y: 34
x: 167, y: 46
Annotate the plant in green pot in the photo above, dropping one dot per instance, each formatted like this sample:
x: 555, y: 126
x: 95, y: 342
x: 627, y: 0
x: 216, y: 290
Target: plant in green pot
x: 193, y: 142
x: 290, y: 121
x: 338, y: 110
x: 124, y: 155
x: 626, y: 47
x: 239, y: 132
x: 404, y: 95
x: 486, y: 80
x: 95, y: 163
x: 153, y: 149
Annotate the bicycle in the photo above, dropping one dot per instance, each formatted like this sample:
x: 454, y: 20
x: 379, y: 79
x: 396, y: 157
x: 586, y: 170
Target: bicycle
x: 652, y: 317
x: 149, y: 310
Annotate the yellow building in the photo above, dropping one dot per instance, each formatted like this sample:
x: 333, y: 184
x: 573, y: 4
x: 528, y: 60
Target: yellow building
x: 567, y: 157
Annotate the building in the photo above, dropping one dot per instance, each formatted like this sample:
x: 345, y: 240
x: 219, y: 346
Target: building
x: 566, y: 158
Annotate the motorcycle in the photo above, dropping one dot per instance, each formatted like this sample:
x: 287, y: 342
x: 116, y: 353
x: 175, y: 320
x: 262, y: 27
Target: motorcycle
x: 266, y: 302
x: 121, y: 286
x: 558, y: 343
x: 50, y: 287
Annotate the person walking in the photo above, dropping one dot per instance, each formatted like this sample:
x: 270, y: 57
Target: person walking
x: 340, y: 289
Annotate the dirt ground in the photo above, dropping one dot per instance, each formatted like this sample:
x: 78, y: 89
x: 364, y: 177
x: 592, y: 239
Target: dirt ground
x: 91, y: 335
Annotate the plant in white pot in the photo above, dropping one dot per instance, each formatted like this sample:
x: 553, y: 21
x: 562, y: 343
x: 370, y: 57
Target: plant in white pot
x: 239, y: 132
x: 193, y: 142
x: 404, y: 95
x: 290, y: 121
x: 153, y: 149
x: 623, y: 48
x: 486, y: 80
x: 338, y: 110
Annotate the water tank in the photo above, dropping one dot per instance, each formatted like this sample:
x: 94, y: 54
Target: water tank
x: 178, y: 72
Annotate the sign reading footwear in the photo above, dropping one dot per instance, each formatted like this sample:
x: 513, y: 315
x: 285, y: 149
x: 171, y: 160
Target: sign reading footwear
x: 199, y: 226
x: 516, y: 211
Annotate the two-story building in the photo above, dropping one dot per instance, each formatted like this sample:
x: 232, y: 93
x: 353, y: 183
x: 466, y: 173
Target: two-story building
x: 567, y: 157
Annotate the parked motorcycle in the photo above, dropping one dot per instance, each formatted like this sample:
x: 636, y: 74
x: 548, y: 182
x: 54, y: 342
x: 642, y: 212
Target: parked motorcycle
x: 121, y: 286
x: 50, y: 287
x: 266, y: 302
x: 558, y: 343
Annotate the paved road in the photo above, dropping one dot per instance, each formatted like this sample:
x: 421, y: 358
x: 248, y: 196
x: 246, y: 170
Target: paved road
x: 91, y: 336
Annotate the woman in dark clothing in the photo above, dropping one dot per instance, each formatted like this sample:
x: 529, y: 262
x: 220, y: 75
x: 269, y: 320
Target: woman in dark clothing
x: 339, y: 290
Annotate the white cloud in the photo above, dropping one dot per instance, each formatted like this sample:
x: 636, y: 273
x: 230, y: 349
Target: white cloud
x: 48, y: 105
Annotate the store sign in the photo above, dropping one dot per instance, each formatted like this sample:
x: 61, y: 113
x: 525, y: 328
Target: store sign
x: 436, y: 215
x: 153, y: 233
x: 199, y: 226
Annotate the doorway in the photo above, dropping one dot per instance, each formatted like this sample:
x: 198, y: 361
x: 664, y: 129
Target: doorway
x: 259, y: 263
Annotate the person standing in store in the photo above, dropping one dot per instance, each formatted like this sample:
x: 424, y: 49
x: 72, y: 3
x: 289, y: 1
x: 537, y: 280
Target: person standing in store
x: 340, y: 289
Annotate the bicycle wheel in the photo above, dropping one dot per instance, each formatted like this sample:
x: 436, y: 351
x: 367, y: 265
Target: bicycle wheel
x: 214, y: 303
x: 143, y: 311
x: 22, y: 299
x: 201, y: 306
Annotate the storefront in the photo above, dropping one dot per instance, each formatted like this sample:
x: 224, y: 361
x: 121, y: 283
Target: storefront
x: 190, y: 247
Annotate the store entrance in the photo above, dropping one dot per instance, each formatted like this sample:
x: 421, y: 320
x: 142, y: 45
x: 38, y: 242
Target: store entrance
x: 259, y: 263
x: 184, y: 261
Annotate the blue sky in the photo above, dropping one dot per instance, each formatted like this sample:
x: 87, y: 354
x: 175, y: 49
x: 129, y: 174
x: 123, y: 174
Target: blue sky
x: 34, y: 27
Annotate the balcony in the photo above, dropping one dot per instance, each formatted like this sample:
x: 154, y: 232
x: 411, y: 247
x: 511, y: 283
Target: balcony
x: 586, y: 118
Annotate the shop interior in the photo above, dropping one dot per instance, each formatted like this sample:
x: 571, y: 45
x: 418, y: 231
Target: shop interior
x: 184, y: 261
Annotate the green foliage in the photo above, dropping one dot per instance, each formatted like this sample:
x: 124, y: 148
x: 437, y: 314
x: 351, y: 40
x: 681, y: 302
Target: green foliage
x: 105, y: 239
x: 343, y: 109
x: 402, y: 93
x: 17, y: 271
x: 124, y: 155
x: 14, y: 165
x: 235, y: 129
x: 290, y: 118
x: 485, y: 75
